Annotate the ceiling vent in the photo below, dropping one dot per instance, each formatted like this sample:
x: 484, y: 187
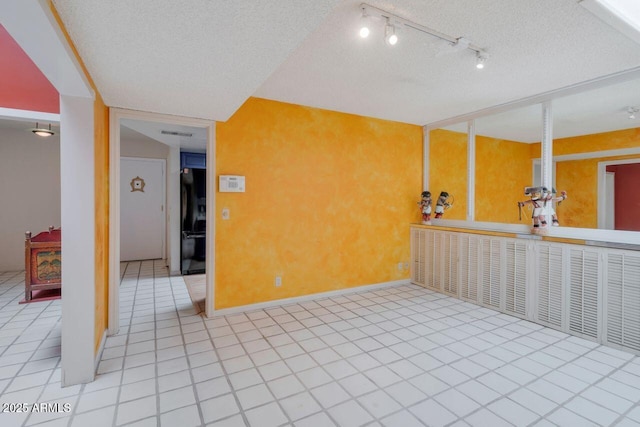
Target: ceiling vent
x: 174, y: 133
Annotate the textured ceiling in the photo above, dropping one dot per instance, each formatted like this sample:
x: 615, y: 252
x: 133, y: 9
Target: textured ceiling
x: 194, y: 58
x: 203, y: 58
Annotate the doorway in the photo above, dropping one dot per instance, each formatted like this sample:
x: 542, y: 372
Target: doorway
x: 158, y: 122
x: 619, y: 200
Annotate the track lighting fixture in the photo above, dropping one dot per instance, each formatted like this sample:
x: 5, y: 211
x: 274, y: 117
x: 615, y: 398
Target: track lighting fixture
x: 43, y: 132
x: 390, y: 34
x: 480, y: 60
x: 364, y: 25
x: 632, y: 111
x: 394, y: 22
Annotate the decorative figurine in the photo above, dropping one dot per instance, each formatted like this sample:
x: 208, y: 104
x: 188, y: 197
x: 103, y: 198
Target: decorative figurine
x: 443, y: 203
x: 537, y: 199
x: 550, y: 200
x: 425, y: 207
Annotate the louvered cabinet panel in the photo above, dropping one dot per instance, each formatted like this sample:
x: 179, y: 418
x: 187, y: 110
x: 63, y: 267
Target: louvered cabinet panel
x: 430, y: 256
x: 584, y: 275
x: 450, y: 267
x: 418, y: 257
x: 491, y: 271
x: 550, y: 295
x: 468, y: 267
x: 438, y: 261
x: 516, y: 277
x: 623, y: 300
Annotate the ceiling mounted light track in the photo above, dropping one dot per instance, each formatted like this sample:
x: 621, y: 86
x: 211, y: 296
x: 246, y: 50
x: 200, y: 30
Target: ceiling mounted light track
x: 394, y: 22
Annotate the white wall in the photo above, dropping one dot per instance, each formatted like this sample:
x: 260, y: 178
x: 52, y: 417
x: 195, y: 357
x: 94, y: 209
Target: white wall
x: 29, y: 190
x: 149, y: 148
x: 143, y: 148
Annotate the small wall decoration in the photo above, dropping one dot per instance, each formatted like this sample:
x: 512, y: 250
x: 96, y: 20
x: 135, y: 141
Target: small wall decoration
x: 445, y: 201
x: 425, y: 207
x: 137, y: 184
x: 542, y: 200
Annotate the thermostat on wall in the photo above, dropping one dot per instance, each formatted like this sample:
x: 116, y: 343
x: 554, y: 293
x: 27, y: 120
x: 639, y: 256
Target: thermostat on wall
x: 231, y: 184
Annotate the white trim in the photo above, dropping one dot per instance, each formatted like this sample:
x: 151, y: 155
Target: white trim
x: 591, y: 235
x: 103, y: 341
x: 115, y: 116
x: 546, y: 150
x: 309, y: 297
x: 602, y: 169
x: 28, y: 115
x: 471, y: 170
x: 425, y: 158
x: 597, y: 154
x: 210, y: 247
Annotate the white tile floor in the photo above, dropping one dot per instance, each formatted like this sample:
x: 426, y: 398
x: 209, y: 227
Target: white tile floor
x: 403, y: 356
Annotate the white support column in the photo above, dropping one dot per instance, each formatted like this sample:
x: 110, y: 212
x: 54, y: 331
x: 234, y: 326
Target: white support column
x: 210, y: 258
x: 471, y: 170
x: 78, y: 239
x: 425, y: 158
x: 173, y: 208
x: 546, y: 155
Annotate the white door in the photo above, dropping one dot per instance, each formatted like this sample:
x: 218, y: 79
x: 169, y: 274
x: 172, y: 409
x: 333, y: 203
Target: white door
x: 610, y: 201
x: 142, y: 216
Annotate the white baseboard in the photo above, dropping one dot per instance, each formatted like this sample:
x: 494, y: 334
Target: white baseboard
x: 310, y: 297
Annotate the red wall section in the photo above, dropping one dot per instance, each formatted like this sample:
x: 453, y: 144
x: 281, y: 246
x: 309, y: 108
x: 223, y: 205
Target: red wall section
x: 627, y: 196
x: 23, y: 86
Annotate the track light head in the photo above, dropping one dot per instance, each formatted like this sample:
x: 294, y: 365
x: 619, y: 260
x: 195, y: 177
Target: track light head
x: 480, y: 60
x: 364, y: 24
x: 390, y: 36
x: 632, y: 111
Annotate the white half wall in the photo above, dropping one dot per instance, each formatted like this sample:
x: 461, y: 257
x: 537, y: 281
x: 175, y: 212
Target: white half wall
x: 29, y: 190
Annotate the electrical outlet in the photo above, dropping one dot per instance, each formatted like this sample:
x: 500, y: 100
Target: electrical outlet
x: 406, y: 265
x: 278, y: 281
x: 400, y: 265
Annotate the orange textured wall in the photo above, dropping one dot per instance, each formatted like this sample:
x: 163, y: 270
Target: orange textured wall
x: 503, y: 169
x: 101, y: 164
x: 328, y: 200
x: 628, y: 138
x: 448, y: 170
x: 579, y: 178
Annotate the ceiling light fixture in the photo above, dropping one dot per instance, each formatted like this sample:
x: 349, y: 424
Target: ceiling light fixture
x: 43, y: 132
x: 390, y: 34
x: 364, y: 24
x: 632, y: 112
x: 458, y: 43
